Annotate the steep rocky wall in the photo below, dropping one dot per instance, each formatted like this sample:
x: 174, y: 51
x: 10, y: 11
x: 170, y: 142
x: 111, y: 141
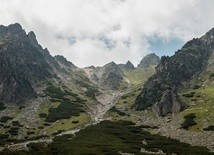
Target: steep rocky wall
x: 172, y: 71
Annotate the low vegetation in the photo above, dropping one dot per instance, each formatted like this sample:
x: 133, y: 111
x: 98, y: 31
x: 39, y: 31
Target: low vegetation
x: 189, y: 95
x: 129, y: 98
x: 114, y: 109
x: 67, y: 107
x: 113, y: 138
x: 13, y: 131
x: 42, y: 115
x: 209, y: 128
x: 143, y: 103
x: 55, y: 92
x: 2, y: 107
x: 90, y: 91
x: 4, y: 119
x: 189, y: 121
x: 3, y: 138
x: 65, y: 110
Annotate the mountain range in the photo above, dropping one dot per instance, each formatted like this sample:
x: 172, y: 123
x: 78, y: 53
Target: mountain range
x: 43, y: 96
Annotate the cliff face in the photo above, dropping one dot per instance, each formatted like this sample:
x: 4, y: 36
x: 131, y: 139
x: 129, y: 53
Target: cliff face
x: 22, y: 64
x: 161, y: 89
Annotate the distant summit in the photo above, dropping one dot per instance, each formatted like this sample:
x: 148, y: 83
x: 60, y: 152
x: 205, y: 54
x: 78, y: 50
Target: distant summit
x: 112, y: 76
x: 128, y: 66
x: 109, y: 76
x: 149, y: 60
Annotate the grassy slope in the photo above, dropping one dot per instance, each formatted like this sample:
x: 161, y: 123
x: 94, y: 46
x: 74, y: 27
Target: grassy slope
x: 60, y: 125
x: 67, y: 100
x: 124, y: 105
x: 51, y: 101
x: 201, y: 102
x: 139, y: 75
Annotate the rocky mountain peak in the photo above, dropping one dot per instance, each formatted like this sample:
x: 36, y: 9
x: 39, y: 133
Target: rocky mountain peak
x: 112, y: 76
x: 15, y: 27
x: 129, y: 65
x: 31, y: 35
x: 109, y: 76
x: 111, y: 64
x: 149, y: 60
x: 111, y: 67
x: 22, y: 64
x: 62, y: 60
x: 12, y: 29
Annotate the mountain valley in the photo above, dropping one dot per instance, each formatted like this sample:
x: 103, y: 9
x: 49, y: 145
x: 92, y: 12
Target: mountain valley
x: 50, y: 106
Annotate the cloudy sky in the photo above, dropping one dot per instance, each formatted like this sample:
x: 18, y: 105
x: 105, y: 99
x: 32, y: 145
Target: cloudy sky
x: 94, y: 32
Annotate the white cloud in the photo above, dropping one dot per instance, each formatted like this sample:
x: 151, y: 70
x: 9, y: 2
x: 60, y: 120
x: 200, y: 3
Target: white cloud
x: 107, y: 30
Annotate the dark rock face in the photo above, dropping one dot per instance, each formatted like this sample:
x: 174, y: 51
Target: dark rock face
x: 112, y: 76
x: 169, y: 103
x: 22, y: 64
x: 149, y: 60
x: 172, y: 71
x: 209, y: 39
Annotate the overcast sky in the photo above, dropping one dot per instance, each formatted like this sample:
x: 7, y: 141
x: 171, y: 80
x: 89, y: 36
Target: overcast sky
x: 95, y: 32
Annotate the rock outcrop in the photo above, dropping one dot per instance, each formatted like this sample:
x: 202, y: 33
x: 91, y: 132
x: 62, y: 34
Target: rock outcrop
x: 169, y: 103
x: 172, y: 72
x: 24, y: 65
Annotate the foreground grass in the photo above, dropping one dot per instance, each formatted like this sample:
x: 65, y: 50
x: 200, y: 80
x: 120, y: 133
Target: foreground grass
x: 112, y: 138
x: 67, y: 124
